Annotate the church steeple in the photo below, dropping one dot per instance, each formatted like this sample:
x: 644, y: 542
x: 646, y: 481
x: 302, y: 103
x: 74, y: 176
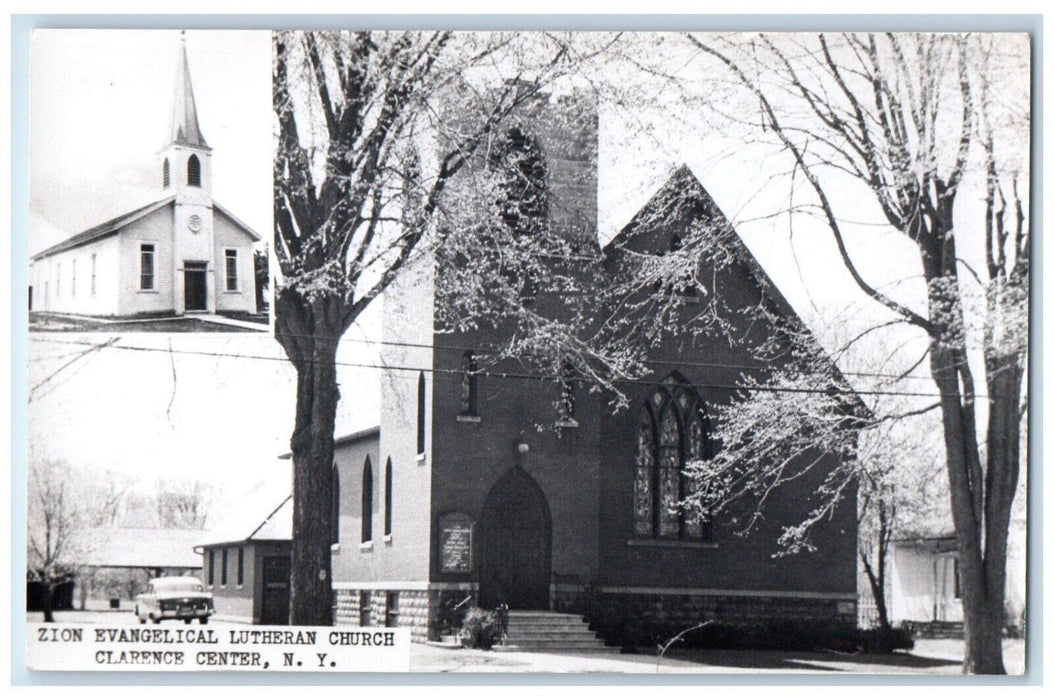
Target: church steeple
x: 186, y: 158
x: 185, y: 130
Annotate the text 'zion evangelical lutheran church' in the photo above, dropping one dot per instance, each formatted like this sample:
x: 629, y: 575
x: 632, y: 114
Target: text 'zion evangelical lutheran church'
x: 89, y: 647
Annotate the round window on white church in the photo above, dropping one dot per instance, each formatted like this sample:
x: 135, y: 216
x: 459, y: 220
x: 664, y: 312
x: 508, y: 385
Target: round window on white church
x: 194, y: 223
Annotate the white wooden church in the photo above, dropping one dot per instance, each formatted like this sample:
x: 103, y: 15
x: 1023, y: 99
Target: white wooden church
x: 181, y: 253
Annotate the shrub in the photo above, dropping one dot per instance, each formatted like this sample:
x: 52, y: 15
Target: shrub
x: 481, y: 629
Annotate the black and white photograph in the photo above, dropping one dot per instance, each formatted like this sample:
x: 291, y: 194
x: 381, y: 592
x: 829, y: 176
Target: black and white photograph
x: 128, y: 229
x: 670, y: 352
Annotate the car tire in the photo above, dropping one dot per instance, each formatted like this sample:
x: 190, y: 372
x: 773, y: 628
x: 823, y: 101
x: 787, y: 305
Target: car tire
x: 187, y: 620
x: 204, y: 620
x: 155, y: 620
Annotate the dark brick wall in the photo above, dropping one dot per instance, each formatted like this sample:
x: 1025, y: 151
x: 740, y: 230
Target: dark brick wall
x: 652, y: 618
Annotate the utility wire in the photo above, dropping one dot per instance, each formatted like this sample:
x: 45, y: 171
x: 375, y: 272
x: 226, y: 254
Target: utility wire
x: 494, y: 374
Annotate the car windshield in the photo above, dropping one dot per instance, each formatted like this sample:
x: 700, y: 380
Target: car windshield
x: 178, y: 587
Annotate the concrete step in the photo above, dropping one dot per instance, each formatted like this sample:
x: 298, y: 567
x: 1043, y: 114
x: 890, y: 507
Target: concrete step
x: 541, y: 626
x: 544, y: 617
x: 551, y: 634
x: 544, y: 630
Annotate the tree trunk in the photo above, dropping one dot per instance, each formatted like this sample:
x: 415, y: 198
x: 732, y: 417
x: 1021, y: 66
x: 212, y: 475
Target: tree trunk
x: 311, y: 599
x: 983, y: 634
x: 878, y: 593
x: 46, y: 594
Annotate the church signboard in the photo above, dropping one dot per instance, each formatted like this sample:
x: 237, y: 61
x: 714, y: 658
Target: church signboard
x: 455, y: 543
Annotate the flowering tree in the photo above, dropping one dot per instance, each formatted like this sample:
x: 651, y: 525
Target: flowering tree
x: 917, y: 118
x: 393, y: 150
x: 60, y: 508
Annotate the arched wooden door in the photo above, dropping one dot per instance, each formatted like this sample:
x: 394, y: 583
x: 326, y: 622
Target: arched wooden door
x: 515, y: 545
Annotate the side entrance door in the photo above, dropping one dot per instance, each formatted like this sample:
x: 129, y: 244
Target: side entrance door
x: 275, y: 607
x: 515, y: 556
x: 195, y: 280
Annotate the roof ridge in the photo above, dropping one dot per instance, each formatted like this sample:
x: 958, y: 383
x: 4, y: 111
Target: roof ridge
x: 97, y: 231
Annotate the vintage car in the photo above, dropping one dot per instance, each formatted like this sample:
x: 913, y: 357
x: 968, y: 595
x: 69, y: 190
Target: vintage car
x: 176, y: 597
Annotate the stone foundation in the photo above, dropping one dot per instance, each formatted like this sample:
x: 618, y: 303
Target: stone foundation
x: 648, y: 618
x: 409, y: 610
x: 426, y: 613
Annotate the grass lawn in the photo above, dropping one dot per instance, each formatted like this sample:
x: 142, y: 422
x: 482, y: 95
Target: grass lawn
x: 43, y: 322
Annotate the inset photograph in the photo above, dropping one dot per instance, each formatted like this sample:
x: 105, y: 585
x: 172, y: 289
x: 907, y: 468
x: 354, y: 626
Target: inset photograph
x: 150, y: 192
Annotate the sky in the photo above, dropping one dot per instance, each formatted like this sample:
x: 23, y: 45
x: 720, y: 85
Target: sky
x: 100, y: 110
x: 100, y: 104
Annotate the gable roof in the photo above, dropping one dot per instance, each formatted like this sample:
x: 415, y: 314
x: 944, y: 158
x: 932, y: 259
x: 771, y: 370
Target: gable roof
x: 236, y: 221
x: 114, y: 225
x: 257, y: 521
x: 106, y: 228
x: 682, y: 191
x: 139, y: 547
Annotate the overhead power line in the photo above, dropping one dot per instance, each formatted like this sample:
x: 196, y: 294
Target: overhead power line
x: 493, y: 374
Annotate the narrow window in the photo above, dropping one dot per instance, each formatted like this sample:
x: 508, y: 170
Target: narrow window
x: 567, y: 393
x: 421, y: 413
x: 365, y: 600
x: 212, y: 566
x: 93, y: 274
x: 367, y: 501
x: 644, y: 523
x: 223, y: 569
x: 166, y: 174
x: 231, y: 255
x: 391, y: 607
x: 388, y: 497
x: 146, y: 266
x: 469, y: 389
x: 241, y: 565
x: 194, y: 171
x: 335, y: 515
x: 669, y: 474
x: 73, y: 281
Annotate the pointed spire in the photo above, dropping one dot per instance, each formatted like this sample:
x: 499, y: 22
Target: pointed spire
x: 185, y: 129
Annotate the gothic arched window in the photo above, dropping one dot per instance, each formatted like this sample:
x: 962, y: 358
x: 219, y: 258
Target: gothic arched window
x: 469, y: 384
x: 567, y: 393
x: 335, y: 514
x: 421, y: 413
x: 671, y: 431
x: 193, y: 171
x: 367, y: 501
x: 388, y: 497
x: 523, y: 179
x: 166, y: 173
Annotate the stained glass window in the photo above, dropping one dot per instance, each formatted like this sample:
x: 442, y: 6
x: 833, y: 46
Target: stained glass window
x: 642, y: 488
x: 695, y: 527
x: 670, y: 433
x: 669, y: 474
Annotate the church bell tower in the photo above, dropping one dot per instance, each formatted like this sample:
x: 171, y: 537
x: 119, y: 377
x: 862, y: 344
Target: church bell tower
x: 186, y: 172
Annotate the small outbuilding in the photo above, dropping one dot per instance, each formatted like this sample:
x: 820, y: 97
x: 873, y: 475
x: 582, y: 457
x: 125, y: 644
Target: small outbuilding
x: 246, y: 564
x: 120, y: 560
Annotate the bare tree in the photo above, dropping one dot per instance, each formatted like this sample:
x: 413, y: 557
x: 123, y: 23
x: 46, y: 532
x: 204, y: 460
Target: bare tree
x: 183, y: 504
x: 912, y: 117
x: 57, y: 519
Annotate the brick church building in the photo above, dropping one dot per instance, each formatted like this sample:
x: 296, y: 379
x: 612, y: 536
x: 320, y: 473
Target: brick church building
x: 478, y: 488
